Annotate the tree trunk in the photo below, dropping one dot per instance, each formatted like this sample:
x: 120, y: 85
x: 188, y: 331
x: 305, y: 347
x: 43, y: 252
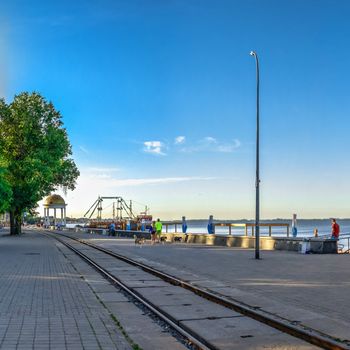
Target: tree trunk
x: 12, y: 222
x: 15, y: 222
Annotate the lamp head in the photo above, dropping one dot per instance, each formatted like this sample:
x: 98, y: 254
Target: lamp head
x: 252, y: 53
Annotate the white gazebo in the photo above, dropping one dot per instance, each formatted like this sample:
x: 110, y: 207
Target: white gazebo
x: 54, y: 202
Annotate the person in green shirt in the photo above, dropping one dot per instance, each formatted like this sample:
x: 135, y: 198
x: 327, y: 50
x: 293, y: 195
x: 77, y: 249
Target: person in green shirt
x: 158, y: 227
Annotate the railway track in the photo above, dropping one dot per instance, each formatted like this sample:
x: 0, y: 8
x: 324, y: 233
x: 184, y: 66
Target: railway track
x: 197, y: 340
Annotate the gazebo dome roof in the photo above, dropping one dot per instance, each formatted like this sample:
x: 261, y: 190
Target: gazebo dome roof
x: 54, y: 199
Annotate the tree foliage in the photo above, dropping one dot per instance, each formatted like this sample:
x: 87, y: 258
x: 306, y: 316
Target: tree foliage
x: 5, y: 191
x: 36, y: 150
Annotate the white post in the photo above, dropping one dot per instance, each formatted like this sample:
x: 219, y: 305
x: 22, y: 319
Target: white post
x: 64, y: 215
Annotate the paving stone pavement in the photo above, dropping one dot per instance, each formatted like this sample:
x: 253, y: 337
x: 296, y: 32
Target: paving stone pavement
x: 312, y: 289
x: 46, y: 304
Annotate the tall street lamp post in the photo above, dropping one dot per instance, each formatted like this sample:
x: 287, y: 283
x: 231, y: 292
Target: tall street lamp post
x: 257, y: 178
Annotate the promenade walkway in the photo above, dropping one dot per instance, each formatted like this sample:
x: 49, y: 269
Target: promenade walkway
x: 46, y: 304
x: 312, y: 289
x: 51, y: 299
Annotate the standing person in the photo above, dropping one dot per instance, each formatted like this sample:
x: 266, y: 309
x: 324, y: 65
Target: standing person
x: 112, y: 229
x: 152, y: 231
x: 158, y: 226
x: 335, y: 229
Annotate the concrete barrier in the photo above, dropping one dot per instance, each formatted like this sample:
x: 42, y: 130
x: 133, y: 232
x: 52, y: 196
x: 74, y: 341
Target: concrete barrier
x: 317, y: 245
x: 231, y: 241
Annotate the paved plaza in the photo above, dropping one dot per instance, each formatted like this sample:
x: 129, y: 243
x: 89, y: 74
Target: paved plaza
x: 51, y: 299
x: 312, y: 289
x: 46, y: 304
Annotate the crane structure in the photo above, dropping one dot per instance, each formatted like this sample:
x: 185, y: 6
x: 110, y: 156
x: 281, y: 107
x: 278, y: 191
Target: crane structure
x: 121, y: 209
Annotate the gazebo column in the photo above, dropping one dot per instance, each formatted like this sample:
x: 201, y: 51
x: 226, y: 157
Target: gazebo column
x: 64, y: 215
x: 61, y: 216
x: 47, y: 217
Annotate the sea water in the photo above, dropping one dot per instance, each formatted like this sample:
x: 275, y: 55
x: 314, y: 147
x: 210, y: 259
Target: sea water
x: 305, y: 227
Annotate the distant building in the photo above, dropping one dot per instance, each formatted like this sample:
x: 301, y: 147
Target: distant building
x: 5, y: 219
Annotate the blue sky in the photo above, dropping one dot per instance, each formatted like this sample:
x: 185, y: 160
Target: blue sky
x: 159, y: 99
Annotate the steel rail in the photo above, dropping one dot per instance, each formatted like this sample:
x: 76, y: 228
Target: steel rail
x: 298, y: 330
x: 191, y: 337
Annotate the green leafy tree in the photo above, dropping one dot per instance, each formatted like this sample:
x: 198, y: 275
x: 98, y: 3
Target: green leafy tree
x: 5, y: 191
x: 36, y: 151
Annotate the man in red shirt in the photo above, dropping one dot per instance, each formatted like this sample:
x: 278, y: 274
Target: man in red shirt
x: 335, y: 229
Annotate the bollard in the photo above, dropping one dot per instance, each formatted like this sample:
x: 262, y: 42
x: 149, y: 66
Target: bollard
x: 184, y: 224
x: 294, y: 226
x: 211, y: 226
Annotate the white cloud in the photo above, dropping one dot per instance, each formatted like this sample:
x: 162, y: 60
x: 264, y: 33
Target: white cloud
x: 102, y: 170
x: 154, y: 181
x: 90, y: 185
x: 101, y: 176
x: 154, y: 147
x: 84, y: 150
x: 206, y: 144
x: 98, y: 172
x: 229, y: 147
x: 180, y: 140
x: 210, y: 139
x: 211, y: 144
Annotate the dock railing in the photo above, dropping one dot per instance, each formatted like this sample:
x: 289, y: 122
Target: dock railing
x: 252, y: 227
x: 343, y: 237
x: 171, y: 223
